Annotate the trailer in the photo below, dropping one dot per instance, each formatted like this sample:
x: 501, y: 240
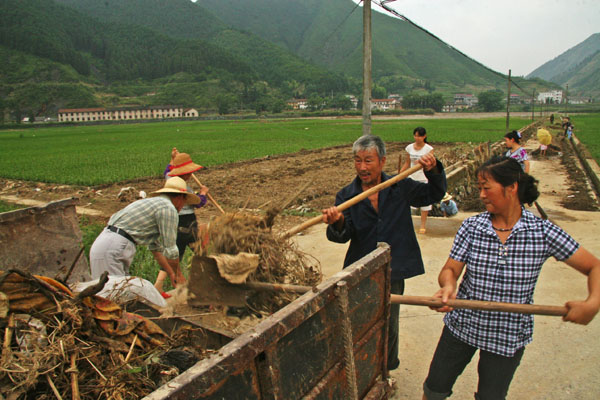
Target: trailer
x: 330, y: 343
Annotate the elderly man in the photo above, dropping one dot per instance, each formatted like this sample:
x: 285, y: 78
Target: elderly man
x: 384, y: 217
x: 151, y: 222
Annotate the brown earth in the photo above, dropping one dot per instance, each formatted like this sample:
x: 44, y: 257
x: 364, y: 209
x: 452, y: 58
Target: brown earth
x: 562, y: 361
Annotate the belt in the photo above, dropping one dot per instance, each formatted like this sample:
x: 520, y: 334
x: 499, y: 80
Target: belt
x: 121, y: 232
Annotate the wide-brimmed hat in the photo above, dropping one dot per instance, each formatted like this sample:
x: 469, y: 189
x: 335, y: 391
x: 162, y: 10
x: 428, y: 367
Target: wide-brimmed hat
x: 447, y: 197
x: 177, y: 185
x: 183, y: 164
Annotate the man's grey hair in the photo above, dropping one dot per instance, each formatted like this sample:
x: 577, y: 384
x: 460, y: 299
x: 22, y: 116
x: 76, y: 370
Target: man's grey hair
x: 368, y: 142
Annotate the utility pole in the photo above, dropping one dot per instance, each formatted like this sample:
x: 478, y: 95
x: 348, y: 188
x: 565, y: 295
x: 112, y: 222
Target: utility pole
x: 567, y: 100
x: 366, y: 111
x: 508, y: 103
x: 532, y: 104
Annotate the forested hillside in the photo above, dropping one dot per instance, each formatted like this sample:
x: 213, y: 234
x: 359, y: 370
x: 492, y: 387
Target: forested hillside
x: 330, y: 33
x: 130, y: 60
x: 222, y: 56
x: 579, y: 67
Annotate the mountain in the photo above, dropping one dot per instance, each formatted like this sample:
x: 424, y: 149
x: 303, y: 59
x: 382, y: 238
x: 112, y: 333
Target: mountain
x: 326, y: 33
x: 226, y: 54
x: 130, y: 62
x: 579, y: 67
x: 330, y: 34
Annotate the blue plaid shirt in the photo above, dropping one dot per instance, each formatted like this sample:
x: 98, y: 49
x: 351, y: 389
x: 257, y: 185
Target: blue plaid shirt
x: 502, y: 272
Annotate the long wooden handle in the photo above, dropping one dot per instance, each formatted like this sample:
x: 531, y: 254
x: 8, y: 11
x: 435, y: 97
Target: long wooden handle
x: 356, y: 199
x: 276, y: 287
x: 480, y: 305
x: 208, y: 195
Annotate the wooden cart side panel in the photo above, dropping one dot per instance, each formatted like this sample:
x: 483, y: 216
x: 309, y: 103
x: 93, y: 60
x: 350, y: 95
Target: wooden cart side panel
x: 303, y: 344
x: 43, y: 241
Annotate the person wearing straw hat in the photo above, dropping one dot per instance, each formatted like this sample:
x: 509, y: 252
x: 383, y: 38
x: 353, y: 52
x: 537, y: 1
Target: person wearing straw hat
x: 151, y: 222
x: 181, y: 165
x: 448, y: 206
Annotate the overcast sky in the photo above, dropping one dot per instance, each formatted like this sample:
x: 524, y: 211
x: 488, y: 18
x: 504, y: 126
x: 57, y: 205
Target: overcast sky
x: 519, y: 35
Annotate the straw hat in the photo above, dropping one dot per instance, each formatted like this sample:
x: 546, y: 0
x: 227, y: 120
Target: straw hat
x: 447, y: 197
x: 177, y: 185
x: 182, y: 164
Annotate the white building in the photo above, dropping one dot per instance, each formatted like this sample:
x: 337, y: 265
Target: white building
x: 120, y: 114
x: 555, y: 96
x: 384, y: 104
x: 465, y: 99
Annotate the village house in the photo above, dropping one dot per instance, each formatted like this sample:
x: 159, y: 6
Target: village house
x: 123, y: 113
x: 384, y: 104
x: 465, y: 100
x: 555, y: 97
x: 353, y: 100
x: 298, y: 104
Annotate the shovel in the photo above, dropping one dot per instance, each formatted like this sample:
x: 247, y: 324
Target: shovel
x: 207, y: 287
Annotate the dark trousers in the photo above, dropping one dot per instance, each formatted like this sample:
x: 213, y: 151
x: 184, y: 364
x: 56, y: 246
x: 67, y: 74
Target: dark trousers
x: 397, y: 287
x: 187, y: 232
x: 452, y: 356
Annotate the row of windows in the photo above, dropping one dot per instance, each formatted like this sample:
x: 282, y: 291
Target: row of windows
x: 76, y: 117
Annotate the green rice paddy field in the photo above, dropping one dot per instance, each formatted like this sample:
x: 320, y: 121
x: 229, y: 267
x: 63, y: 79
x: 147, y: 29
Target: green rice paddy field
x: 99, y: 154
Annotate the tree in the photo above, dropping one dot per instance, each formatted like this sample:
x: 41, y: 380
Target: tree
x: 434, y: 101
x: 315, y: 102
x: 411, y: 101
x: 491, y: 100
x: 224, y: 103
x: 277, y: 106
x: 378, y: 92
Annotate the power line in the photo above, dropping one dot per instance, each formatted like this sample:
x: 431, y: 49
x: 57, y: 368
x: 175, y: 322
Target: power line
x: 339, y: 25
x: 382, y: 4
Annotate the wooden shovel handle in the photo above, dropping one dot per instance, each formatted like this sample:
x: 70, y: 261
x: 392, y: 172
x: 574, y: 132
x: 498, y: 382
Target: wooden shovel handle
x: 356, y: 199
x: 276, y: 287
x: 481, y: 305
x: 209, y: 196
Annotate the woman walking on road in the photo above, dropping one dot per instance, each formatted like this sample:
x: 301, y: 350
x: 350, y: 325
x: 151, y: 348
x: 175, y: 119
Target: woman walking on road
x: 414, y: 151
x: 512, y: 141
x: 502, y: 252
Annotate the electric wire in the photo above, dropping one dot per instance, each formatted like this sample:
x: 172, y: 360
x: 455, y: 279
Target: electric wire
x: 382, y: 4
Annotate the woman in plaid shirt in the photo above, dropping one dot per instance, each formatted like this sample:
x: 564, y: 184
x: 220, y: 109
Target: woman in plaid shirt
x: 503, y: 250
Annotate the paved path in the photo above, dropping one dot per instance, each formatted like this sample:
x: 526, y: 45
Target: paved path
x: 563, y: 360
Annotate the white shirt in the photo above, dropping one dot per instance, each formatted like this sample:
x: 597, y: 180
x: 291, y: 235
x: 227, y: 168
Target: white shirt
x: 414, y: 158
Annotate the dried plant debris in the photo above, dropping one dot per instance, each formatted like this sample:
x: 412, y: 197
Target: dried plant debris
x: 60, y: 345
x: 280, y: 261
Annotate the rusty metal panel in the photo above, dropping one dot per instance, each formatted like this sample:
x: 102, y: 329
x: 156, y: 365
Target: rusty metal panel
x: 44, y: 241
x: 298, y: 351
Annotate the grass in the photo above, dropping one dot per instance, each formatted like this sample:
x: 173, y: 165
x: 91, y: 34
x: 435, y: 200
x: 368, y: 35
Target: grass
x: 5, y: 207
x: 101, y: 154
x: 587, y: 127
x: 92, y: 155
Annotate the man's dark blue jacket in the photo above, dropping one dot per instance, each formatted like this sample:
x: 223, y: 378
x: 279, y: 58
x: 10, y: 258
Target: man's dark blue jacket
x: 364, y: 227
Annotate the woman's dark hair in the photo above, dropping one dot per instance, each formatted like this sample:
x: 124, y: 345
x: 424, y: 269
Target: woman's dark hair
x: 420, y: 131
x: 506, y: 171
x: 514, y: 135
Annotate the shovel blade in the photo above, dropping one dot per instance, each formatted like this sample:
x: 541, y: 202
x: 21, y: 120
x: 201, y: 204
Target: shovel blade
x: 207, y: 287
